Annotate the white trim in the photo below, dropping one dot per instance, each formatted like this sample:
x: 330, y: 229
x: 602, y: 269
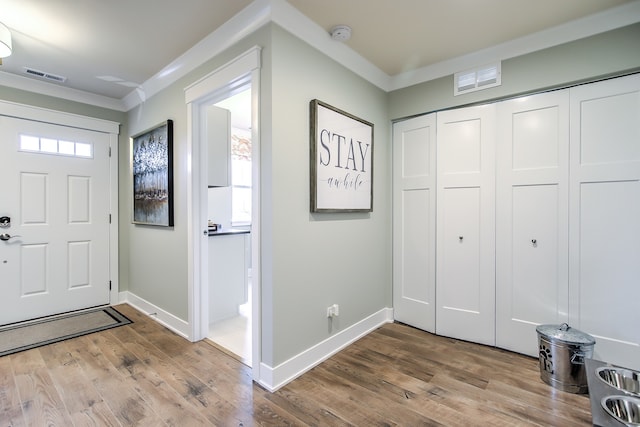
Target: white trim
x: 196, y: 321
x: 610, y: 19
x: 114, y: 241
x: 261, y: 12
x: 161, y: 316
x: 292, y: 20
x: 244, y: 23
x: 56, y: 90
x: 243, y: 70
x: 223, y: 75
x: 274, y: 378
x: 196, y: 94
x: 256, y: 227
x: 12, y: 109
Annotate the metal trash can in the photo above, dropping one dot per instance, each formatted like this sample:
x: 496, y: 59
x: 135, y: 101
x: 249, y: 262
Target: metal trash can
x: 563, y: 351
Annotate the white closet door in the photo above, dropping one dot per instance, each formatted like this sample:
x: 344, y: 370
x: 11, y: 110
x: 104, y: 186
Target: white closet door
x: 465, y: 271
x: 604, y: 269
x: 414, y: 221
x: 532, y: 198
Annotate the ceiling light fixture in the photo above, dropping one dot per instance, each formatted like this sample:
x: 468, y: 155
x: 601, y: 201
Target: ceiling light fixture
x: 5, y: 41
x: 341, y: 33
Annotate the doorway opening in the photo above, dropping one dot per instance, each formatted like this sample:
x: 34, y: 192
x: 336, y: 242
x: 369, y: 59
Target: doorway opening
x: 232, y: 78
x: 230, y: 213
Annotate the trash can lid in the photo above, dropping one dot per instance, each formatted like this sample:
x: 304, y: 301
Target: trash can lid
x: 565, y: 333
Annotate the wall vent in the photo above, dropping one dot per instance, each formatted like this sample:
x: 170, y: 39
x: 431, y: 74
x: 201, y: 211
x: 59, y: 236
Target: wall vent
x: 478, y: 78
x: 43, y: 75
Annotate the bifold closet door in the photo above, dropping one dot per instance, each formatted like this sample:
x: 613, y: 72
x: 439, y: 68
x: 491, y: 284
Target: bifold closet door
x: 414, y: 221
x: 604, y: 270
x: 465, y: 260
x: 532, y: 204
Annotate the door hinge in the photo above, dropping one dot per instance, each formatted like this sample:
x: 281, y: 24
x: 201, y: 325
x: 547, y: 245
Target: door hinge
x: 109, y: 218
x: 109, y: 284
x: 109, y: 151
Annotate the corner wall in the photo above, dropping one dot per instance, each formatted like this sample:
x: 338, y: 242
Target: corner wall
x: 319, y: 259
x: 157, y: 263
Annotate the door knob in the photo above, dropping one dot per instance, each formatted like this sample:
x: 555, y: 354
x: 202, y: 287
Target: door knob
x: 4, y: 237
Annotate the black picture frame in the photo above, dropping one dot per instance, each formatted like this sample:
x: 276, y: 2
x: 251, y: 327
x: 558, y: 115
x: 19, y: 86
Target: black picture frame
x: 152, y: 175
x: 341, y: 160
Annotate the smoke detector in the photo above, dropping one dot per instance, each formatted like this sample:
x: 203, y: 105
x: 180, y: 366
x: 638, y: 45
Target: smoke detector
x: 341, y: 33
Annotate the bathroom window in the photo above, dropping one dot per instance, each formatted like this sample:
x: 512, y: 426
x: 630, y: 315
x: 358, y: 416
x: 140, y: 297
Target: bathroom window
x: 240, y: 177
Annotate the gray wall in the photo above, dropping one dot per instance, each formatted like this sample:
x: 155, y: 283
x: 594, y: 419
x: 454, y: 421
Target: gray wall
x: 310, y: 261
x: 315, y: 260
x: 157, y: 263
x: 582, y: 60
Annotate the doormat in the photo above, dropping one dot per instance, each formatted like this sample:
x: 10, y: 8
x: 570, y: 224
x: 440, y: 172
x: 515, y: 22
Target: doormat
x: 36, y: 333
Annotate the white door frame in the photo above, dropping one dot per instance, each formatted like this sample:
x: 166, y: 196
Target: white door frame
x: 243, y: 70
x: 45, y: 115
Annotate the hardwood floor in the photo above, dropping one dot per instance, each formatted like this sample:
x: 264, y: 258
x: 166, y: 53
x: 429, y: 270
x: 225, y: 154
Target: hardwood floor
x: 143, y: 374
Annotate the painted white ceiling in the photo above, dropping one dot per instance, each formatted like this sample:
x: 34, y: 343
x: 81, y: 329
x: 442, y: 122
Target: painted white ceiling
x: 112, y: 48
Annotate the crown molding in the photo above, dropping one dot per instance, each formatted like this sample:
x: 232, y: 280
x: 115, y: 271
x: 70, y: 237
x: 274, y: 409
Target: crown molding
x: 293, y: 21
x: 617, y: 17
x: 49, y: 89
x: 280, y: 12
x: 241, y: 25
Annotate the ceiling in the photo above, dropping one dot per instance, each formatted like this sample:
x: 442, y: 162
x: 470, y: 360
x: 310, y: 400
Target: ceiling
x: 111, y: 48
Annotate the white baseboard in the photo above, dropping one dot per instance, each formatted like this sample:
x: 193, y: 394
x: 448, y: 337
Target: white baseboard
x: 161, y: 316
x: 274, y: 378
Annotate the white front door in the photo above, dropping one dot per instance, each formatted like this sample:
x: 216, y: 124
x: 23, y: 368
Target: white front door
x: 414, y: 222
x: 54, y: 254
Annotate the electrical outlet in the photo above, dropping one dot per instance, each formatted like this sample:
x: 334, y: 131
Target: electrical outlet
x: 333, y: 310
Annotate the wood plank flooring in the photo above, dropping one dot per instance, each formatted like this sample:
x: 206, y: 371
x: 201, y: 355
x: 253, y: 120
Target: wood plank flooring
x: 144, y: 375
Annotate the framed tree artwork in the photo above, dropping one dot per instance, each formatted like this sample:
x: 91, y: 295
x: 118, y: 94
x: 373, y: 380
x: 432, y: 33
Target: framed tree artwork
x: 152, y: 169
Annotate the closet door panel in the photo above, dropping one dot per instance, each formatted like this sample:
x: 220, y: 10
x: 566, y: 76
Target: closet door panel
x: 460, y: 245
x: 415, y: 247
x: 605, y: 217
x: 535, y: 256
x: 610, y: 261
x: 532, y: 218
x: 414, y: 155
x: 465, y: 291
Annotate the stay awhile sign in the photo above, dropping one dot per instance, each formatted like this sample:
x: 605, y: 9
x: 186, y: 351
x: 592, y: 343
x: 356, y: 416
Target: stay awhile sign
x: 341, y: 160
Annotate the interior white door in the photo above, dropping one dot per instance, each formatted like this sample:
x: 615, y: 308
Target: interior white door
x: 465, y: 262
x: 605, y: 217
x: 56, y: 191
x: 414, y: 221
x: 532, y: 204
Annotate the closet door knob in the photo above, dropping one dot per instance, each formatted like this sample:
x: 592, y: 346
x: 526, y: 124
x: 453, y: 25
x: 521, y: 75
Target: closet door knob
x: 534, y: 242
x: 461, y: 238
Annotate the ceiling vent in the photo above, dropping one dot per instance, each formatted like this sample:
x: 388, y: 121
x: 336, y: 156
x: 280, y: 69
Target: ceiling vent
x: 43, y: 75
x: 477, y: 79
